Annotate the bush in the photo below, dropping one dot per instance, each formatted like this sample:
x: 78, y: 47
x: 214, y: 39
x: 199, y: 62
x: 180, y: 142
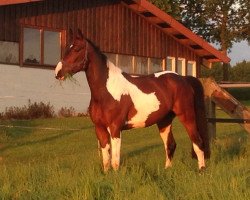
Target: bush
x: 66, y: 112
x: 32, y: 111
x: 242, y: 94
x: 241, y: 72
x: 38, y: 110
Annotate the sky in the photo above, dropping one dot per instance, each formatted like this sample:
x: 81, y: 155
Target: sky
x: 239, y: 52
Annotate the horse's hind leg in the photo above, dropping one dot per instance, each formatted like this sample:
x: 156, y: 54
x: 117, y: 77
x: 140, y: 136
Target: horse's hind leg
x: 165, y: 128
x: 189, y: 122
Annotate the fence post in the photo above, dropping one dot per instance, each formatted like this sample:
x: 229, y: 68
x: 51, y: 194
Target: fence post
x: 211, y: 126
x: 210, y: 107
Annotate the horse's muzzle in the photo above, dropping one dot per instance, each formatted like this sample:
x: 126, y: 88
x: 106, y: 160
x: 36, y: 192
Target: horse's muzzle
x: 61, y: 78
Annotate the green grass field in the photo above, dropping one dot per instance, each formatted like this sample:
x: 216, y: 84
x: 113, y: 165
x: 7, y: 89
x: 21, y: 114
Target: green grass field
x: 46, y: 164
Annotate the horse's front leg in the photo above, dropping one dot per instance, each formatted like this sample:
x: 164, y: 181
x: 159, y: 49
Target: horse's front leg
x: 115, y: 146
x: 104, y: 141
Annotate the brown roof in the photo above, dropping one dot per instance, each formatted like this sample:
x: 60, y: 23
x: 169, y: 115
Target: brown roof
x: 172, y: 27
x: 8, y: 2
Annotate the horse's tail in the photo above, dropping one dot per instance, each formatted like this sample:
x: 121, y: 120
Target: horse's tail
x: 200, y: 111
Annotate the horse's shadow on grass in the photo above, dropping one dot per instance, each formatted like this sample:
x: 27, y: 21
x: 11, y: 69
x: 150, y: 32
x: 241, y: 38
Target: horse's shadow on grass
x: 140, y: 151
x: 44, y: 140
x: 226, y: 147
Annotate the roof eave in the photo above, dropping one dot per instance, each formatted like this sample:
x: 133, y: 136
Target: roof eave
x: 141, y: 6
x: 8, y: 2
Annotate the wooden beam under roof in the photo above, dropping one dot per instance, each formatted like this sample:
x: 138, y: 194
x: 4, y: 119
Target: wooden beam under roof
x: 9, y: 2
x: 151, y: 11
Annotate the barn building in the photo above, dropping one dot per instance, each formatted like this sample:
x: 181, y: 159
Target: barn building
x: 134, y: 34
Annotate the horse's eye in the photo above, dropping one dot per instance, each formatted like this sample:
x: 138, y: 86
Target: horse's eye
x: 76, y: 48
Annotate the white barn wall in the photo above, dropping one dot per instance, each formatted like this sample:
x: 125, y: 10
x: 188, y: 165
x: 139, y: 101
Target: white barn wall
x: 19, y: 84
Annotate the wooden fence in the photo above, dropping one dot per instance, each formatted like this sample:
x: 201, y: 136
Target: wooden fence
x: 216, y: 95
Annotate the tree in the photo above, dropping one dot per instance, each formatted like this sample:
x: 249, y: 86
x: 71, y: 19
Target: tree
x: 219, y: 21
x: 216, y: 72
x: 246, y: 26
x: 171, y: 7
x: 240, y: 72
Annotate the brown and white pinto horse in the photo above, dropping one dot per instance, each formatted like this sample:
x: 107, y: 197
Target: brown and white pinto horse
x: 120, y: 101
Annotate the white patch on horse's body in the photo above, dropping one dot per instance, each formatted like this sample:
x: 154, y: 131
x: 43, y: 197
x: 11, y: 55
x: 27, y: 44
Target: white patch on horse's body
x: 58, y: 68
x: 164, y: 136
x: 106, y: 157
x: 200, y: 156
x: 157, y: 74
x: 135, y: 76
x: 145, y: 104
x: 115, y: 151
x: 115, y: 148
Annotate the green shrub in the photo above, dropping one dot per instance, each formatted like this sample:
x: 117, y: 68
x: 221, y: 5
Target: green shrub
x: 242, y: 94
x: 38, y: 110
x: 66, y: 112
x: 32, y: 111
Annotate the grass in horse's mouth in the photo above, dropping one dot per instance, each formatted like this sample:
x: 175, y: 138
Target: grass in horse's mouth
x: 69, y: 77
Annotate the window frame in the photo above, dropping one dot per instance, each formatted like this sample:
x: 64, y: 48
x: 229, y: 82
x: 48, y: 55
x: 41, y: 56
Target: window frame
x: 42, y: 30
x: 183, y: 66
x: 173, y: 63
x: 194, y: 69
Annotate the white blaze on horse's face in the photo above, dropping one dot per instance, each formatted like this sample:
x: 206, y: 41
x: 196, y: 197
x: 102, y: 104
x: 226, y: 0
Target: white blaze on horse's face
x: 58, y: 68
x: 145, y: 104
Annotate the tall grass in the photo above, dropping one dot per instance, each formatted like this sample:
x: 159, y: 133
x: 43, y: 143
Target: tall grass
x: 64, y: 164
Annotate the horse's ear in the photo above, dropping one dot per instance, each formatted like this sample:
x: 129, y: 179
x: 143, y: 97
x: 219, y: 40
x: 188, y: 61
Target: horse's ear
x: 71, y: 35
x: 79, y: 34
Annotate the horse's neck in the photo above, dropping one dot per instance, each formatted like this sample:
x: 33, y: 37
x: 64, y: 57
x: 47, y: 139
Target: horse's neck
x: 96, y: 74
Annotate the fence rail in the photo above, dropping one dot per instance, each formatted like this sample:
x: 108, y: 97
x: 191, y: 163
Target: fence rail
x: 234, y: 85
x: 227, y: 120
x: 216, y: 95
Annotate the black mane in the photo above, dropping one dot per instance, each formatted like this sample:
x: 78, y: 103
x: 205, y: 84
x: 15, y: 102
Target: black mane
x: 97, y: 49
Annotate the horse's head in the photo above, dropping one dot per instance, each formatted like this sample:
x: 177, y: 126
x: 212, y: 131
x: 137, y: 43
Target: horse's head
x: 75, y: 58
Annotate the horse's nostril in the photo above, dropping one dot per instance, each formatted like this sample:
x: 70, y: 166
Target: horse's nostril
x: 57, y: 76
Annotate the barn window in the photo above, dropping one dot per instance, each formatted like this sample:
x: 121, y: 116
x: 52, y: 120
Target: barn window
x: 52, y: 47
x: 41, y: 46
x: 191, y: 68
x: 125, y: 63
x: 31, y: 46
x: 170, y: 64
x: 112, y: 58
x: 155, y: 65
x: 141, y: 65
x: 181, y: 68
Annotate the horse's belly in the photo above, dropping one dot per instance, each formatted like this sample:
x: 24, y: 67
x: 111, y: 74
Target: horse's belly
x: 136, y: 123
x: 143, y: 117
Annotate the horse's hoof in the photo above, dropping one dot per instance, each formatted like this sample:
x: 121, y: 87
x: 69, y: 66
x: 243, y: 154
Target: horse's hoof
x: 168, y: 164
x: 202, y: 170
x: 106, y: 168
x: 115, y: 167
